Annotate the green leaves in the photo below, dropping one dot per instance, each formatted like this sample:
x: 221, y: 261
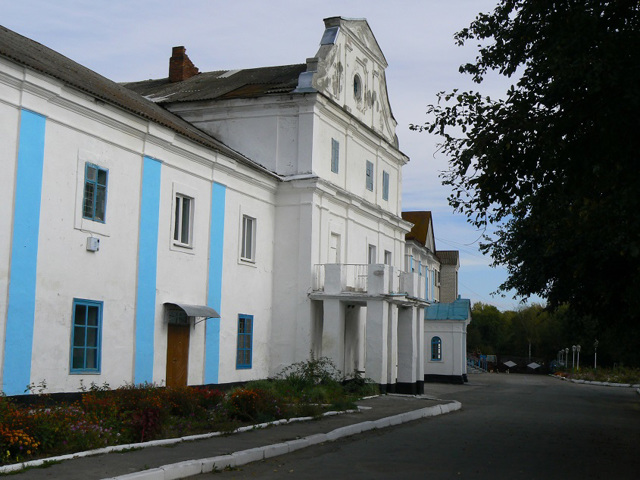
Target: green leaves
x: 554, y: 165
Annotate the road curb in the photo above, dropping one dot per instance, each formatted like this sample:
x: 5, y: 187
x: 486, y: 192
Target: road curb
x: 600, y: 384
x: 207, y: 465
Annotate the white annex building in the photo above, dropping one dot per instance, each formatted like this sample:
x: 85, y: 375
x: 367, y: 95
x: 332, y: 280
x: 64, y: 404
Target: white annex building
x: 214, y: 227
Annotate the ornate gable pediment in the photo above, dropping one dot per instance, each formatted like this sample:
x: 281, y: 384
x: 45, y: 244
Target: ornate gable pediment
x: 350, y: 68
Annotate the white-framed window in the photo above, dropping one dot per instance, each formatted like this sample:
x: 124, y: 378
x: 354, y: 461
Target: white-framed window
x: 248, y: 245
x: 183, y: 207
x: 385, y: 185
x: 436, y: 349
x: 369, y: 182
x: 335, y: 155
x: 387, y: 257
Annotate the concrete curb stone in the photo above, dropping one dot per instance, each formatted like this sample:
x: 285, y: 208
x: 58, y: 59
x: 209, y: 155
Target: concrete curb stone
x: 194, y: 467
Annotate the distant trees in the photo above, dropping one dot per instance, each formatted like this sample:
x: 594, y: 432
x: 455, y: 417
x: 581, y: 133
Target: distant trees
x: 492, y: 331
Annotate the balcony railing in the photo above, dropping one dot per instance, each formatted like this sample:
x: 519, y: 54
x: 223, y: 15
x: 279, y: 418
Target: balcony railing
x: 336, y: 278
x: 353, y: 277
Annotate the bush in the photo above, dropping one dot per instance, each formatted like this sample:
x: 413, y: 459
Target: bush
x: 136, y: 413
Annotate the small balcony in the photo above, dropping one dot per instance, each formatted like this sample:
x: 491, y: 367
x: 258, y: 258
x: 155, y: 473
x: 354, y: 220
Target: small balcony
x: 370, y: 279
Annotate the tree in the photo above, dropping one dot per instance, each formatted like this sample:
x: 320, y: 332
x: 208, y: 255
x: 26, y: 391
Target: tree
x: 554, y: 166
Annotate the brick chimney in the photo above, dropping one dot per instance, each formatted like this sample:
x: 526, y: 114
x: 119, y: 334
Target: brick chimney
x: 180, y: 67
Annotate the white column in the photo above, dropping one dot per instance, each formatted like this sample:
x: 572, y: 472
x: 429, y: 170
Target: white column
x: 392, y: 344
x: 333, y: 332
x: 376, y: 341
x: 407, y: 346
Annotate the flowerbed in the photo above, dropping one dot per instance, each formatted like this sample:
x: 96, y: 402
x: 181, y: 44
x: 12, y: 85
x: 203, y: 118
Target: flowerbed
x: 138, y: 413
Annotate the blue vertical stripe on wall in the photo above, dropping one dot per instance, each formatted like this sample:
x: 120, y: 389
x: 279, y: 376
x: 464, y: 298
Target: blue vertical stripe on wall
x: 214, y: 295
x: 147, y: 268
x: 24, y: 255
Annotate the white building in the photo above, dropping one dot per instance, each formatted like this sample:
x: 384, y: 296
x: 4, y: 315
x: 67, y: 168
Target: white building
x: 139, y: 213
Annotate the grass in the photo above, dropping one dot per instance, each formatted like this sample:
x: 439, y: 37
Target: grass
x: 611, y: 375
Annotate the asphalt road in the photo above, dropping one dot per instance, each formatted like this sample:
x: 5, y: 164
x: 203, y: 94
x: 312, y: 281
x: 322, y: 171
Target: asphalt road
x: 510, y: 427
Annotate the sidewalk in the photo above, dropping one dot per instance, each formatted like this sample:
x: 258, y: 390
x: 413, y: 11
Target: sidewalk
x: 164, y: 461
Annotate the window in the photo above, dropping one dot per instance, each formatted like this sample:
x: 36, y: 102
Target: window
x: 385, y: 185
x: 387, y: 257
x: 85, y: 336
x: 245, y: 341
x: 436, y: 348
x: 369, y: 176
x: 372, y: 254
x: 357, y: 87
x: 183, y: 220
x: 335, y: 155
x: 248, y: 249
x: 94, y: 200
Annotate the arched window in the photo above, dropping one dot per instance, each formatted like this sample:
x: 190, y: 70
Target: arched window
x: 436, y: 348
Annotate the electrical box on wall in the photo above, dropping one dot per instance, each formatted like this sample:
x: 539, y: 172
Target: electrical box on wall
x: 93, y: 244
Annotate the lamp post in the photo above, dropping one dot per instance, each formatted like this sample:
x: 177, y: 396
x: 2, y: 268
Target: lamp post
x: 566, y: 358
x: 595, y: 354
x: 578, y: 350
x: 573, y: 357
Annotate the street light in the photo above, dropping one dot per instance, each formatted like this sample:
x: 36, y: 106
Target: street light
x: 578, y: 349
x: 595, y: 354
x: 566, y: 358
x: 573, y: 357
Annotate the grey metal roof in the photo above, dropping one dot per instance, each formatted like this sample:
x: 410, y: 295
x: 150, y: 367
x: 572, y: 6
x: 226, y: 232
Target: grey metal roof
x: 36, y: 56
x: 222, y: 84
x: 196, y: 310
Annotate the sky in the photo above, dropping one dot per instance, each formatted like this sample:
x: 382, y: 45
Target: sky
x: 128, y: 40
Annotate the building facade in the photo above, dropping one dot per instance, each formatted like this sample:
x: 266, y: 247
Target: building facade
x: 205, y: 228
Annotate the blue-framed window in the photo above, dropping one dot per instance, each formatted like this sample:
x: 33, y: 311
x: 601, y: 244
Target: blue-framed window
x: 86, y: 336
x: 436, y: 348
x: 94, y: 200
x: 385, y: 185
x: 245, y: 341
x: 335, y: 155
x: 369, y: 176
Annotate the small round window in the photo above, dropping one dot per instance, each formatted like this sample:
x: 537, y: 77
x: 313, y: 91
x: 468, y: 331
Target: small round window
x: 357, y: 87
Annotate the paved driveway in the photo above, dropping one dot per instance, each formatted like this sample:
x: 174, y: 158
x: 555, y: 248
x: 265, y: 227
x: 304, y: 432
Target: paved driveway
x: 510, y: 427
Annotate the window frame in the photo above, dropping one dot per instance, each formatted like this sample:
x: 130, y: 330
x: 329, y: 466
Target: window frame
x: 335, y: 155
x: 77, y: 302
x: 242, y: 350
x: 248, y: 252
x: 436, y: 349
x: 385, y: 185
x: 178, y: 226
x: 96, y: 187
x: 369, y: 176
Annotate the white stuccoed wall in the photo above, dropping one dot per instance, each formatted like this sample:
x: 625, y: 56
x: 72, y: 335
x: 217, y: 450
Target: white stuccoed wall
x: 79, y: 130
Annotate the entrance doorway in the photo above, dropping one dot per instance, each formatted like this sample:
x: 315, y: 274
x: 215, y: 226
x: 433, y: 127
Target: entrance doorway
x: 177, y: 355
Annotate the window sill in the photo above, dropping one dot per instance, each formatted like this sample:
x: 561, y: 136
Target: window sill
x: 181, y: 247
x: 247, y: 262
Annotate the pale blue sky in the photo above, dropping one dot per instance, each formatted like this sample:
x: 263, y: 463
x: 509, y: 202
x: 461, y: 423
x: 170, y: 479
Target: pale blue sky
x: 127, y: 40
